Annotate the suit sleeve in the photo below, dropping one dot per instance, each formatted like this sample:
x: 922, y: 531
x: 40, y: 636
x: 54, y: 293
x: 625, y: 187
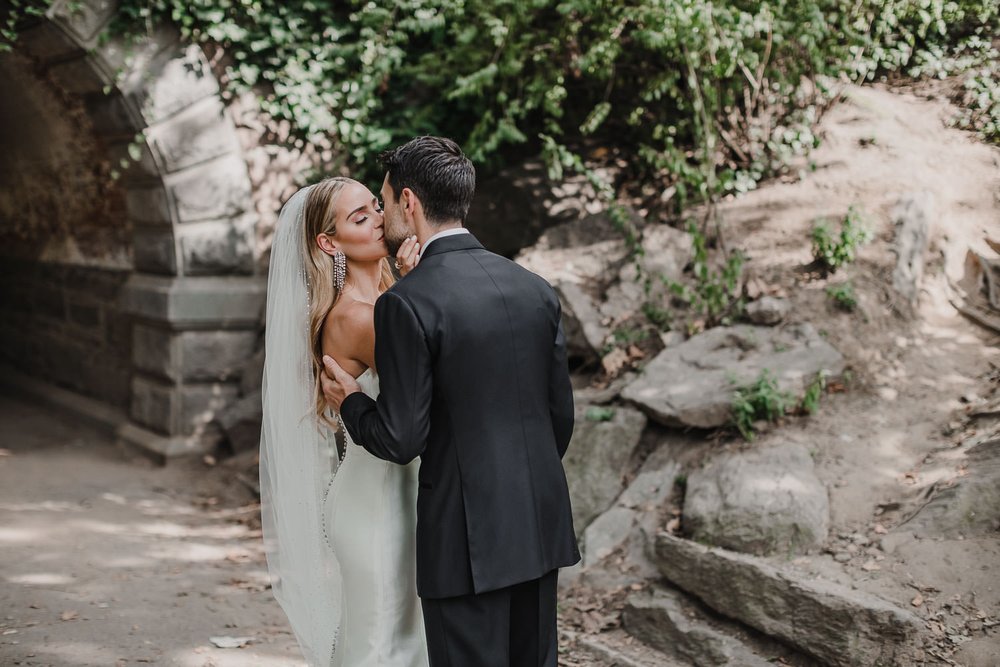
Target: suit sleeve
x: 394, y: 428
x: 560, y: 390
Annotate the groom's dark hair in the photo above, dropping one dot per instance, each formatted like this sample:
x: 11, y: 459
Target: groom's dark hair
x: 439, y: 174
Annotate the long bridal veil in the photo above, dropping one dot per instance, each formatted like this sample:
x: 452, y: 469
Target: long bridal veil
x: 297, y: 458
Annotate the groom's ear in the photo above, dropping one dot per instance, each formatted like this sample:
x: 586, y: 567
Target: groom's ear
x: 408, y: 201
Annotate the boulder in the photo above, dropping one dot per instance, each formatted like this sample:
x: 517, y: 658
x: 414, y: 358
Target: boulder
x: 836, y: 625
x: 692, y: 384
x: 666, y: 251
x: 607, y: 533
x: 580, y: 258
x: 656, y: 618
x: 768, y: 310
x: 583, y: 323
x: 763, y: 502
x: 635, y: 516
x: 587, y: 261
x: 604, y: 441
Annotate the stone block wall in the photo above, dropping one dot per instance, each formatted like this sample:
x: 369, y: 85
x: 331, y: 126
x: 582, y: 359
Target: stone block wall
x: 63, y: 324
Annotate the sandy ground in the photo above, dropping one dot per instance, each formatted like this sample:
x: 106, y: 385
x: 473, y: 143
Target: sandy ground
x: 891, y: 440
x: 886, y: 441
x: 106, y: 560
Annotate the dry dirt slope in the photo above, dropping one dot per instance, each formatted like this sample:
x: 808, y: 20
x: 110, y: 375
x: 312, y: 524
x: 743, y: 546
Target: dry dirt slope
x: 897, y: 437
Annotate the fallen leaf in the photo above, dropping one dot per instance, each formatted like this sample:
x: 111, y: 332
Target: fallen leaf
x: 614, y: 361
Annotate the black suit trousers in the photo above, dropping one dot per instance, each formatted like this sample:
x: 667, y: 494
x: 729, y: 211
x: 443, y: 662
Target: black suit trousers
x: 509, y: 627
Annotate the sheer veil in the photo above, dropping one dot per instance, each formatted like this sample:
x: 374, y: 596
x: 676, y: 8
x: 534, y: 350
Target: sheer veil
x: 297, y: 457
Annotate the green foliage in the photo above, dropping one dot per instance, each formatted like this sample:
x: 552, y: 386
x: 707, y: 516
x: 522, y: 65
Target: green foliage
x: 830, y: 249
x: 960, y: 39
x: 700, y: 97
x: 810, y: 400
x: 658, y: 316
x: 19, y: 12
x: 843, y: 296
x: 599, y: 414
x: 681, y: 481
x: 759, y: 400
x: 982, y: 111
x: 625, y: 335
x: 716, y: 294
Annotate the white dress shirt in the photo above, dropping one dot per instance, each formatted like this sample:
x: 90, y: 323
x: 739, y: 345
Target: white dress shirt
x: 440, y: 235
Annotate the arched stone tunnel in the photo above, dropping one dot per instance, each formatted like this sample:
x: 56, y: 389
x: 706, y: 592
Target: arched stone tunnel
x: 134, y: 294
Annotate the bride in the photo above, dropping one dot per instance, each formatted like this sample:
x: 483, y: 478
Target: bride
x: 338, y: 528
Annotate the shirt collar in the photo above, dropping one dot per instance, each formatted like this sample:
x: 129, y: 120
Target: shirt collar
x: 443, y: 233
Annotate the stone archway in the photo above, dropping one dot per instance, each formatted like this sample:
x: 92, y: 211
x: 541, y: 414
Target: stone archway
x: 192, y: 298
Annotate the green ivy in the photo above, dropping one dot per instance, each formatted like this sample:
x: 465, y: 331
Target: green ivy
x: 697, y: 97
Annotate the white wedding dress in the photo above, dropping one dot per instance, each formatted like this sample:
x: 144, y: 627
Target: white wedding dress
x: 370, y: 517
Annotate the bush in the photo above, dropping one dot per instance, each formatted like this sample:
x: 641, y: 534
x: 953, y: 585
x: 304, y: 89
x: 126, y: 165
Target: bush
x: 696, y: 97
x: 843, y: 296
x: 759, y: 400
x: 830, y: 249
x: 813, y: 393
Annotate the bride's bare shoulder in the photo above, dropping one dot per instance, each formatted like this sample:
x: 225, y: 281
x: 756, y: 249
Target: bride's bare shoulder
x: 351, y: 316
x: 349, y: 332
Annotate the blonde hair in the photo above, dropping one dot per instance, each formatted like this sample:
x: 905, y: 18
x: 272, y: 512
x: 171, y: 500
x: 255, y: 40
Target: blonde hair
x: 320, y: 217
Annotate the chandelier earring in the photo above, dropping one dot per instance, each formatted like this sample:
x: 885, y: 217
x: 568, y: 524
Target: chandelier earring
x: 339, y: 270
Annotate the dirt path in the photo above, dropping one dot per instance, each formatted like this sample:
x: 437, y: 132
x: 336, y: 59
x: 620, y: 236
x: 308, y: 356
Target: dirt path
x: 108, y: 561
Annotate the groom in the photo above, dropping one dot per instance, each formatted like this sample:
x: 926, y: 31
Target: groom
x: 472, y: 366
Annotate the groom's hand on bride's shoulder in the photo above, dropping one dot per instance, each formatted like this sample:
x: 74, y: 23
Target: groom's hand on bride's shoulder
x: 336, y: 383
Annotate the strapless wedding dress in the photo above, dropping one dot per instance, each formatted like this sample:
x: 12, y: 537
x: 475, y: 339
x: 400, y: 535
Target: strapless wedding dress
x: 370, y: 516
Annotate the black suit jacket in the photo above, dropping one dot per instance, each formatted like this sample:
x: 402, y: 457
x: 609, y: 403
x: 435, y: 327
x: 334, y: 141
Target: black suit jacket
x: 472, y: 365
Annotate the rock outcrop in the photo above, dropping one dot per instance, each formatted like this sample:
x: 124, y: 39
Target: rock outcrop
x: 836, y: 625
x: 656, y: 618
x: 692, y: 384
x: 761, y: 501
x: 587, y: 261
x: 604, y: 440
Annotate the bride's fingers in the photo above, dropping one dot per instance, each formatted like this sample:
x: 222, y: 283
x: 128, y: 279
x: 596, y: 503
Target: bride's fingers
x: 405, y: 249
x: 408, y: 255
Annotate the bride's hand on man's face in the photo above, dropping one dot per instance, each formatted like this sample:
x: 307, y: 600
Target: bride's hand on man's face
x: 337, y: 383
x: 408, y: 255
